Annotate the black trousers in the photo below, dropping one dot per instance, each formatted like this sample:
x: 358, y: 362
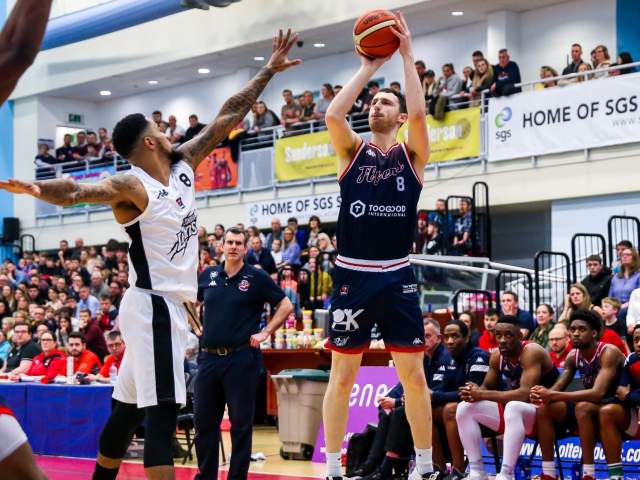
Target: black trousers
x: 231, y: 380
x: 399, y: 438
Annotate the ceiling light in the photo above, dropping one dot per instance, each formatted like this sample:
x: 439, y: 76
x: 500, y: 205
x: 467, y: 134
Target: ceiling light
x: 203, y: 71
x: 457, y: 13
x: 105, y: 93
x: 258, y: 59
x: 318, y: 45
x: 152, y: 82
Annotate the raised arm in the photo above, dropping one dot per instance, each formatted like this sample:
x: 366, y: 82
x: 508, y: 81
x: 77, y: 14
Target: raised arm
x: 237, y: 107
x: 118, y: 191
x: 344, y: 140
x: 418, y: 141
x: 20, y: 41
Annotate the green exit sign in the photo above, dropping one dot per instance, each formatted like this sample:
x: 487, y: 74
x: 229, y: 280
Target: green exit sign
x: 75, y: 118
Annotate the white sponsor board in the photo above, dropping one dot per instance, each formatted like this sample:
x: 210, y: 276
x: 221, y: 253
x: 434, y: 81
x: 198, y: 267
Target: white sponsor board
x: 326, y: 207
x: 589, y: 114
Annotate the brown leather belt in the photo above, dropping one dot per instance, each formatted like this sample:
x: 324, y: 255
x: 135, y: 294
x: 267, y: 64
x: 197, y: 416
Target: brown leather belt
x: 223, y: 351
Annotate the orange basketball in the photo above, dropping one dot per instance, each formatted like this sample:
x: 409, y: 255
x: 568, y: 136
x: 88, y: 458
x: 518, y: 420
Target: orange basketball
x: 373, y: 36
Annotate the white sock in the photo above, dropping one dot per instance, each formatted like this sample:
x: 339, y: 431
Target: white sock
x: 424, y: 461
x: 589, y: 470
x: 334, y: 464
x: 549, y: 468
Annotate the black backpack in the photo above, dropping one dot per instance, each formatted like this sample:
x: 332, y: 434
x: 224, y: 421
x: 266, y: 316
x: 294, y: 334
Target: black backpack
x: 358, y: 448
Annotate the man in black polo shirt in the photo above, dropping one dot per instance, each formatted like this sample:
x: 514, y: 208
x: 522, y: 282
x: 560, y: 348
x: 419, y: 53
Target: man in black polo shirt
x: 21, y: 355
x: 230, y: 362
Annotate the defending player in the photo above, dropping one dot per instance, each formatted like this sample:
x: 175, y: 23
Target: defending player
x: 380, y: 183
x: 155, y: 204
x: 600, y: 367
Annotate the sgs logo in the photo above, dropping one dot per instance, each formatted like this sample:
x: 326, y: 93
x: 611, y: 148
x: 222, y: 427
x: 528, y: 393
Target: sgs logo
x: 502, y: 118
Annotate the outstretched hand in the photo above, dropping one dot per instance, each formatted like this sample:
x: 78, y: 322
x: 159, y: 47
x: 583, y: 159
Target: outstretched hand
x: 19, y: 186
x: 282, y: 44
x: 401, y: 30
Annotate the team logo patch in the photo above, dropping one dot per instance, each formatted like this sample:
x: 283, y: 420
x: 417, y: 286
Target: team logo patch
x: 340, y: 341
x: 244, y: 285
x: 344, y: 290
x: 189, y: 229
x: 212, y: 276
x: 180, y: 202
x: 370, y: 152
x: 413, y: 288
x: 345, y: 320
x: 357, y: 208
x: 419, y: 341
x: 162, y: 193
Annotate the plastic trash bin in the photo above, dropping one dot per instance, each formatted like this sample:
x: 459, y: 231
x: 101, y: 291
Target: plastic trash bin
x: 300, y: 393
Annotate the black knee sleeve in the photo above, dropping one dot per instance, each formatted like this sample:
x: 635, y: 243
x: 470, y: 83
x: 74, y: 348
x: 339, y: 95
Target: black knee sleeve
x: 116, y: 436
x: 161, y: 425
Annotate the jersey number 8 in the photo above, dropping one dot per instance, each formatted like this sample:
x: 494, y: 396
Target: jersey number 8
x: 185, y: 179
x: 400, y: 183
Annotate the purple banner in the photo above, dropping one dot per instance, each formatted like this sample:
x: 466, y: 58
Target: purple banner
x: 371, y: 384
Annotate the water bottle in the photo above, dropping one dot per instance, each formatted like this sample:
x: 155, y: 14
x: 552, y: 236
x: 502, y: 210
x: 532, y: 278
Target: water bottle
x: 113, y: 375
x: 70, y: 370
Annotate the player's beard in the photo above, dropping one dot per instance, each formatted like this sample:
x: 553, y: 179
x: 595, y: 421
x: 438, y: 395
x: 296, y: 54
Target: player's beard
x: 175, y: 156
x: 380, y: 125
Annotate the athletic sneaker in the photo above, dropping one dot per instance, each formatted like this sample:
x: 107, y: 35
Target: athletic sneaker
x: 334, y: 478
x: 425, y: 476
x: 455, y: 476
x: 378, y: 475
x: 544, y: 476
x: 588, y: 477
x: 362, y: 472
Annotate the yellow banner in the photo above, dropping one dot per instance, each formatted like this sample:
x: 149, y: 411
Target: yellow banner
x: 455, y: 137
x: 305, y: 156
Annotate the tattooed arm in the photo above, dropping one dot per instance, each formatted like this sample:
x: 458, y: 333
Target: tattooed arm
x: 65, y: 192
x: 20, y: 41
x: 237, y: 107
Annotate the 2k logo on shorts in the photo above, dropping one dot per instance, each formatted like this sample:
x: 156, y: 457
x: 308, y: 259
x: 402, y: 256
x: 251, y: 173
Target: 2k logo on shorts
x: 345, y: 320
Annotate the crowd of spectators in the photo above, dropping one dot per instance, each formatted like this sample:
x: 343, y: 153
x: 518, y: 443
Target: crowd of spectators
x: 446, y: 91
x: 63, y: 304
x: 613, y: 295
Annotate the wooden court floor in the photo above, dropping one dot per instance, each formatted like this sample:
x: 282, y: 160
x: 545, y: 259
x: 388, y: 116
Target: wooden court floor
x: 265, y: 440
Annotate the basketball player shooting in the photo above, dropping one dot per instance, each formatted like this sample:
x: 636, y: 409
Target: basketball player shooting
x: 155, y: 204
x: 380, y: 184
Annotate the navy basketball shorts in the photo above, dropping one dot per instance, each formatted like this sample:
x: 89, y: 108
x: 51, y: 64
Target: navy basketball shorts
x: 389, y: 299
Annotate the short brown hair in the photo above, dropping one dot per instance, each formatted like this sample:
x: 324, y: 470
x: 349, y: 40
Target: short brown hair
x: 594, y: 258
x: 614, y: 302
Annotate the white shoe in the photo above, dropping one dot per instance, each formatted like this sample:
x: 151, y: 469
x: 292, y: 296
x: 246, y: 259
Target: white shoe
x: 503, y: 477
x: 425, y: 476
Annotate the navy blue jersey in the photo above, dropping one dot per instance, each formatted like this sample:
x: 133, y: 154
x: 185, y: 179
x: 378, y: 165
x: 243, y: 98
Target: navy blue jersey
x: 378, y: 211
x: 589, y: 370
x: 631, y: 378
x: 471, y: 366
x: 512, y: 372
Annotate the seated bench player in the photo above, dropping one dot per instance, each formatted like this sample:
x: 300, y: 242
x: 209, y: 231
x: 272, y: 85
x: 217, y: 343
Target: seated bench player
x: 600, y: 367
x: 521, y: 365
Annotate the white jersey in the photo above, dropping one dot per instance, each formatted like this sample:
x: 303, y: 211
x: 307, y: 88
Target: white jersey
x: 163, y: 255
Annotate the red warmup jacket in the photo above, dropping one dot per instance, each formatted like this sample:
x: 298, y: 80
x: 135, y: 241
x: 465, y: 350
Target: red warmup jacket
x: 51, y: 365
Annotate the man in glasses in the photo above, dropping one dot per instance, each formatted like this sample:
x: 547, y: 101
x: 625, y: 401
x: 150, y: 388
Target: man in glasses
x: 24, y: 350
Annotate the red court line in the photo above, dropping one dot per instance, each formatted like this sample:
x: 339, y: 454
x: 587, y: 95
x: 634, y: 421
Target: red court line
x: 64, y: 468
